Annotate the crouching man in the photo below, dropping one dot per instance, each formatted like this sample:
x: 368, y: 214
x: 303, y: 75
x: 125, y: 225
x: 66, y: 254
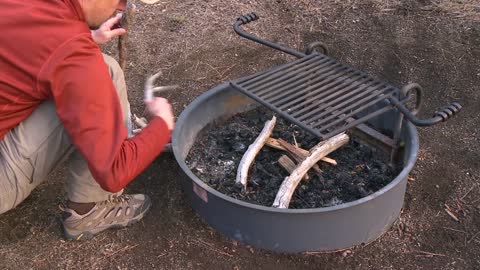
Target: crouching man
x: 60, y: 98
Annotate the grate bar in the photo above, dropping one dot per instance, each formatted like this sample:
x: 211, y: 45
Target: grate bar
x: 319, y: 94
x: 355, y: 123
x: 325, y: 94
x: 270, y: 78
x: 268, y: 72
x: 327, y: 75
x: 360, y: 90
x: 293, y: 105
x: 342, y: 106
x: 297, y: 79
x: 352, y: 113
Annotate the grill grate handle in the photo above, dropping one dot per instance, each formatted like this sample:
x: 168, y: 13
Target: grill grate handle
x: 441, y: 115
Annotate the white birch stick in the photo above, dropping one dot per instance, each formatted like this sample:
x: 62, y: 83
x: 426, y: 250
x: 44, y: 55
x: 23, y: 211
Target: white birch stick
x: 291, y: 182
x: 252, y: 152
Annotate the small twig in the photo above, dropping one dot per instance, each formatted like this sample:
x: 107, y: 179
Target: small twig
x: 325, y: 252
x: 297, y: 155
x: 225, y: 71
x: 118, y: 251
x: 212, y: 248
x: 274, y: 143
x: 295, y: 141
x: 466, y: 194
x: 452, y: 215
x: 113, y: 254
x: 429, y: 254
x: 455, y: 230
x: 475, y: 201
x: 473, y: 237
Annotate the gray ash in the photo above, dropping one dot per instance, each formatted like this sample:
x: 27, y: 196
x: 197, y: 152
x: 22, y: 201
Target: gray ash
x: 216, y: 154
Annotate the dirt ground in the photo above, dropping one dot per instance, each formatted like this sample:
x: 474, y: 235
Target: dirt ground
x: 434, y: 43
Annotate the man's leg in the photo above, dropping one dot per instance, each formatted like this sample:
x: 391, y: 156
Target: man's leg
x: 89, y: 208
x: 29, y: 153
x: 81, y: 186
x: 32, y: 150
x: 37, y: 145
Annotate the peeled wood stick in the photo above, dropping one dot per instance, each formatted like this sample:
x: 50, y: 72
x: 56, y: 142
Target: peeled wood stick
x: 127, y: 19
x: 289, y: 165
x: 299, y: 157
x: 291, y: 182
x: 272, y: 142
x: 150, y: 88
x: 252, y: 152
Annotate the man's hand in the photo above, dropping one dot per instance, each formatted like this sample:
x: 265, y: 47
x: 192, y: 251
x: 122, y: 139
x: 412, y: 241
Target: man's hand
x: 105, y: 33
x: 162, y: 108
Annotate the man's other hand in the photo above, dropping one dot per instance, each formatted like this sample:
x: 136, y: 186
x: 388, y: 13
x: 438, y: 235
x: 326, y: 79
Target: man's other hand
x: 162, y: 108
x: 105, y: 33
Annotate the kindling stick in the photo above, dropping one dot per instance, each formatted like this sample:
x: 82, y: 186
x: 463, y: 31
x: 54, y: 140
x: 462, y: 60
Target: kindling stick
x: 252, y: 152
x: 291, y: 182
x: 289, y: 165
x: 127, y: 19
x: 274, y: 143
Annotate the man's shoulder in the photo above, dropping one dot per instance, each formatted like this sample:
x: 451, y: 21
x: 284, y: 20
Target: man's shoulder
x: 49, y: 25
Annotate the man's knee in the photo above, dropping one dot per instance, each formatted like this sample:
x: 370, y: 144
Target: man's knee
x: 14, y: 187
x: 118, y: 79
x: 113, y: 66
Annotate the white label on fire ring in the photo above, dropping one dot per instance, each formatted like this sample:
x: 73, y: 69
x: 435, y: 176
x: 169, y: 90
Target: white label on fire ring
x: 201, y: 193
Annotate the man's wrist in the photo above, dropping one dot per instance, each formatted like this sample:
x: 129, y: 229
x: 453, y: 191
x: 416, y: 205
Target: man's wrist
x: 93, y: 35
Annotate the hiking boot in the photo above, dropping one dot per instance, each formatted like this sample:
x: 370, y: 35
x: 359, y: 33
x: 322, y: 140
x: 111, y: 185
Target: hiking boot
x: 116, y: 212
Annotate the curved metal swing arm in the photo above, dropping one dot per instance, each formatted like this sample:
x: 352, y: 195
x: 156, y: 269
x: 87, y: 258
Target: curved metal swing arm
x: 253, y: 17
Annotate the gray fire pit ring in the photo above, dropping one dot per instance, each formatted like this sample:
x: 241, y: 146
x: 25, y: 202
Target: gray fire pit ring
x: 286, y: 230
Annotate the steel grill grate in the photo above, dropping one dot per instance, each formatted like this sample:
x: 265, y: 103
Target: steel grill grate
x: 319, y: 94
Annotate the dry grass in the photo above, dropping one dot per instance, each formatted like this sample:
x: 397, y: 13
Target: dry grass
x: 469, y: 9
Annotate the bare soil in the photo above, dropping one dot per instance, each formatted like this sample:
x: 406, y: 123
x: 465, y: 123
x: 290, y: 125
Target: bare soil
x: 433, y: 43
x: 216, y: 154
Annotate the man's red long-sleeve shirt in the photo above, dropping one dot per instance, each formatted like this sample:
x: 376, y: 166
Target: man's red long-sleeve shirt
x: 47, y: 53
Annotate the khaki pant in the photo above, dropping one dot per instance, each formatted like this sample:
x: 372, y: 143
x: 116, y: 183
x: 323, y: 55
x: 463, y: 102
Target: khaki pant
x: 33, y: 149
